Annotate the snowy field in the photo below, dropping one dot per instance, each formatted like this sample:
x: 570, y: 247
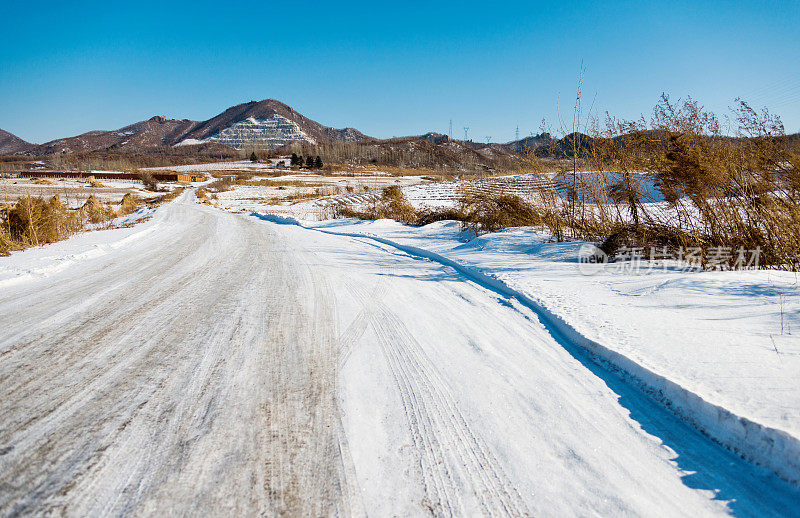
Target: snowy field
x: 237, y: 165
x: 210, y: 362
x: 359, y: 191
x: 72, y: 191
x: 309, y: 195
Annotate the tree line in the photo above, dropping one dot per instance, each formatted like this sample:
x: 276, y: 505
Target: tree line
x: 309, y: 163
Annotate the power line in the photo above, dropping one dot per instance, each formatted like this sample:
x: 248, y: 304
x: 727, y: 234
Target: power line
x: 775, y: 95
x: 758, y: 91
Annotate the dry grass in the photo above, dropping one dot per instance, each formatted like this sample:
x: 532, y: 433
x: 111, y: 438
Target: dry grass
x: 129, y: 204
x: 492, y: 212
x: 221, y: 185
x: 95, y: 211
x: 734, y: 190
x: 92, y: 182
x: 394, y: 205
x: 203, y: 196
x: 35, y: 221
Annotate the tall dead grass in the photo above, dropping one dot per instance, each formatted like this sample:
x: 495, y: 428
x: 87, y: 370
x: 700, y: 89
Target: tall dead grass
x: 32, y: 221
x: 35, y: 221
x: 675, y: 182
x: 736, y: 188
x: 392, y: 204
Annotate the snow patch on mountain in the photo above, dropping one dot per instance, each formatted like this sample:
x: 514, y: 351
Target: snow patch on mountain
x: 272, y: 132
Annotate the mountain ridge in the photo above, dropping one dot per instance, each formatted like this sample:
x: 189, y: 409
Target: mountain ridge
x: 11, y: 144
x: 259, y: 122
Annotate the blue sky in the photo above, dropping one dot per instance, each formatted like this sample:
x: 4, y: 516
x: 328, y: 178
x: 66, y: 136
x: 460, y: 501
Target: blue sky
x: 391, y: 69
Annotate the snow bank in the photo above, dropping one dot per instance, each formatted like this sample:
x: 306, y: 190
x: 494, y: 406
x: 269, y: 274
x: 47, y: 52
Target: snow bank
x: 44, y: 261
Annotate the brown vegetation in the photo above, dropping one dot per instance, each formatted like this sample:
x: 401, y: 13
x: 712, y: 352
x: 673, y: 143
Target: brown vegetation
x: 92, y: 181
x: 677, y: 181
x: 34, y: 221
x: 163, y: 156
x: 129, y: 204
x: 148, y: 180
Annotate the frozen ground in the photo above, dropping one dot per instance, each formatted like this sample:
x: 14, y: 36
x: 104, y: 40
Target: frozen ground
x: 309, y: 195
x: 237, y: 165
x: 214, y: 363
x: 73, y: 192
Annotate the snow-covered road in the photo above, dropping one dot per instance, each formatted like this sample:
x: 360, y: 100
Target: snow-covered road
x: 212, y: 363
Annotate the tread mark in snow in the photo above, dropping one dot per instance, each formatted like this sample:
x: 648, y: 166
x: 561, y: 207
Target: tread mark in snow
x: 445, y: 443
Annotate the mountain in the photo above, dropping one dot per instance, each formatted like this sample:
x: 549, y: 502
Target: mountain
x: 528, y: 144
x: 10, y: 144
x: 156, y: 131
x: 436, y: 150
x: 269, y: 123
x: 545, y: 146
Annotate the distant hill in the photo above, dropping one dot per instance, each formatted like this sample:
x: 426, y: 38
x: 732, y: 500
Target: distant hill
x: 156, y: 131
x: 545, y: 146
x: 528, y: 144
x: 267, y: 122
x: 11, y: 144
x: 431, y: 150
x: 260, y: 124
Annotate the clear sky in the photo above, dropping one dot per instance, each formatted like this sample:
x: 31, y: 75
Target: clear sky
x: 388, y: 69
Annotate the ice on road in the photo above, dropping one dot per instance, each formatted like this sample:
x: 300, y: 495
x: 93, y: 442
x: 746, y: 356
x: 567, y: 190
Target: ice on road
x: 220, y: 364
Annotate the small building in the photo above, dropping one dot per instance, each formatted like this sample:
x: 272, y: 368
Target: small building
x: 184, y: 177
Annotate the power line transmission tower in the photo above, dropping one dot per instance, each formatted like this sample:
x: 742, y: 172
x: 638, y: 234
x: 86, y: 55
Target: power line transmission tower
x: 466, y: 133
x: 516, y: 134
x: 450, y: 133
x: 488, y: 139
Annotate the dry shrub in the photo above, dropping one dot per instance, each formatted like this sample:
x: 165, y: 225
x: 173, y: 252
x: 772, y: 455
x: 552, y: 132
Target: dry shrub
x: 35, y: 221
x: 346, y: 211
x: 680, y: 180
x: 484, y: 212
x: 428, y: 216
x: 43, y: 181
x: 95, y: 211
x: 393, y: 204
x: 658, y: 239
x: 148, y: 181
x: 164, y: 198
x: 6, y: 243
x: 93, y: 182
x: 221, y: 185
x: 129, y: 204
x: 744, y: 187
x: 203, y: 196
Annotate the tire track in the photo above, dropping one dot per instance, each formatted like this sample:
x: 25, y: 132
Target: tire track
x: 208, y: 386
x: 449, y: 450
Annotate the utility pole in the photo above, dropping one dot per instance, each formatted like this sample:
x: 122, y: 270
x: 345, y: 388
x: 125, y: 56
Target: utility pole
x: 466, y: 133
